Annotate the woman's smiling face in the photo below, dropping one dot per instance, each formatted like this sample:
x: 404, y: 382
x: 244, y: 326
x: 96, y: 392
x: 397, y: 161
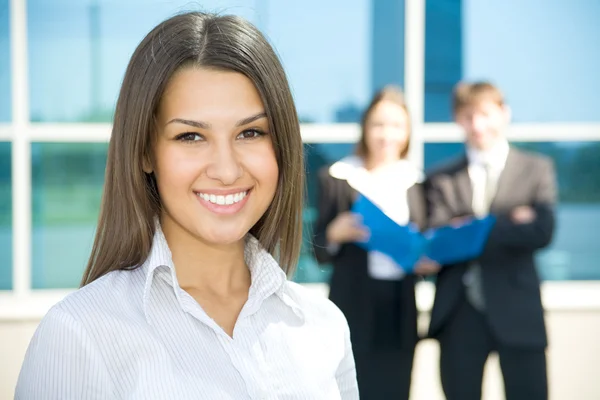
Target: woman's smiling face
x: 213, y: 157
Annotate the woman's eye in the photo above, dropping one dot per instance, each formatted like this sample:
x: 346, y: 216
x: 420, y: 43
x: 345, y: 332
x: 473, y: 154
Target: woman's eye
x: 250, y: 134
x: 189, y: 137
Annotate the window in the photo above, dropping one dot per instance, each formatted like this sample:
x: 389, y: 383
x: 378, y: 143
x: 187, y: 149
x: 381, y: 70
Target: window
x: 5, y: 75
x: 67, y: 188
x: 67, y: 180
x: 501, y: 41
x: 5, y: 217
x: 333, y: 72
x: 574, y: 252
x: 317, y: 156
x: 336, y: 57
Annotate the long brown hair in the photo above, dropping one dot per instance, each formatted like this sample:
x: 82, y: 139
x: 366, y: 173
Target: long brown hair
x: 130, y: 201
x: 390, y: 93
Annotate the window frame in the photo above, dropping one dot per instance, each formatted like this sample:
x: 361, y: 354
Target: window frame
x: 24, y: 303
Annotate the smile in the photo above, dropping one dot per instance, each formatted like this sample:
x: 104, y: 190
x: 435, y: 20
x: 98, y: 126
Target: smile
x: 223, y: 200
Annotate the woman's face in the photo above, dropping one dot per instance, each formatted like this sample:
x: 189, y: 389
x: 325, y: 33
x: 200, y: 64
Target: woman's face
x: 386, y: 132
x: 214, y: 161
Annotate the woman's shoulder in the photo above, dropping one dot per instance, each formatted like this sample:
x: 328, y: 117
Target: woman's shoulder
x: 408, y: 172
x: 344, y: 168
x: 109, y: 295
x: 315, y: 305
x: 65, y: 354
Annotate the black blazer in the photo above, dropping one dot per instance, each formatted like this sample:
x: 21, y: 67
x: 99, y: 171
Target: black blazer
x: 509, y: 277
x: 349, y: 285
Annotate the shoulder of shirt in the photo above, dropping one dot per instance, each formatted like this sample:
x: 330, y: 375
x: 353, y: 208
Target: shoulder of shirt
x: 350, y: 166
x: 111, y: 294
x: 345, y: 168
x: 418, y: 175
x: 317, y: 308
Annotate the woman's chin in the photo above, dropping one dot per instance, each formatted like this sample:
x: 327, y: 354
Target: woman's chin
x: 224, y: 238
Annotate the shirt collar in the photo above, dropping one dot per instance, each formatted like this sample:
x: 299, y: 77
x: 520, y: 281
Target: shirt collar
x: 352, y: 170
x: 158, y: 260
x: 494, y: 157
x: 267, y: 277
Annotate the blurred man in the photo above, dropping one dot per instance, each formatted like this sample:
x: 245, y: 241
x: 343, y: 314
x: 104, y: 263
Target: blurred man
x: 492, y: 303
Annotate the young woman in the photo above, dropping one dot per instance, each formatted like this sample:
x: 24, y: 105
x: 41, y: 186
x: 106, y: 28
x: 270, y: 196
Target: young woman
x: 186, y: 295
x: 374, y: 293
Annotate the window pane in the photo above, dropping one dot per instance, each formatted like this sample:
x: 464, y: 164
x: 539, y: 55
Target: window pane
x: 344, y: 52
x: 66, y: 190
x: 316, y: 157
x: 5, y: 217
x: 547, y: 74
x: 5, y: 82
x: 67, y: 187
x: 574, y: 252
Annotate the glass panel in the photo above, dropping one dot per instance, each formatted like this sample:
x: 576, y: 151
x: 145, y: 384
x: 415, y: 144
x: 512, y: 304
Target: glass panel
x: 5, y: 217
x: 316, y: 157
x: 574, y: 252
x: 350, y: 50
x: 5, y: 74
x: 547, y: 74
x: 67, y: 188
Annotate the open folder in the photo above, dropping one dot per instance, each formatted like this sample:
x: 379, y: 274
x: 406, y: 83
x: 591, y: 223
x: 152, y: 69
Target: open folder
x: 406, y: 245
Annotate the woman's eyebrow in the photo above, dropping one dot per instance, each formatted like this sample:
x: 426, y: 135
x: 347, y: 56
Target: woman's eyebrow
x: 206, y: 125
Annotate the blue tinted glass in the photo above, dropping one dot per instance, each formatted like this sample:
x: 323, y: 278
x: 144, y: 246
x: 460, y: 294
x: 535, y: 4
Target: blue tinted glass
x: 67, y: 188
x: 5, y: 217
x: 336, y: 53
x: 547, y: 74
x: 436, y: 153
x: 574, y: 252
x: 5, y: 83
x: 316, y: 157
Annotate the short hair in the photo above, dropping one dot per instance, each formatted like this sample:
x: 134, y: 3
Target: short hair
x: 391, y: 93
x: 469, y: 94
x: 130, y: 201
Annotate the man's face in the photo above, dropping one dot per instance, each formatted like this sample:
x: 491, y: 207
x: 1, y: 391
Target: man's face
x: 484, y: 123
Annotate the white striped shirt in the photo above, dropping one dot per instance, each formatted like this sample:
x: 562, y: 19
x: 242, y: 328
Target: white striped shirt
x: 138, y: 335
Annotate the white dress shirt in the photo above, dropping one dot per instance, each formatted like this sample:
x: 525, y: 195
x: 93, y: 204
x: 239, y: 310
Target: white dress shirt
x: 494, y: 159
x: 138, y: 335
x: 387, y: 188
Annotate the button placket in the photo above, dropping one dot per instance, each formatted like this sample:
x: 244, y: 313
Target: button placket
x: 252, y: 366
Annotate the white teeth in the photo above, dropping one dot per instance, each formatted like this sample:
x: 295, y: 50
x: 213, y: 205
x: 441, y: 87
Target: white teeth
x: 223, y: 200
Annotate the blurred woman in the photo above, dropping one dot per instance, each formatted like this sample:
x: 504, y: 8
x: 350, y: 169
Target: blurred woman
x: 376, y: 295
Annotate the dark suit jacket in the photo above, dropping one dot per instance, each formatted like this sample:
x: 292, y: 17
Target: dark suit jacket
x: 509, y: 278
x: 349, y: 285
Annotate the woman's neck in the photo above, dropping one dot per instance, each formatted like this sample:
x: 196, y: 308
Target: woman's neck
x: 372, y: 165
x: 204, y: 267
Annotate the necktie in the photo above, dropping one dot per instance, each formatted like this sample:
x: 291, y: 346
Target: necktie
x: 473, y: 281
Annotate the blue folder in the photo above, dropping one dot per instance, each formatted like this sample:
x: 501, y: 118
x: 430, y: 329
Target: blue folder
x: 406, y: 245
